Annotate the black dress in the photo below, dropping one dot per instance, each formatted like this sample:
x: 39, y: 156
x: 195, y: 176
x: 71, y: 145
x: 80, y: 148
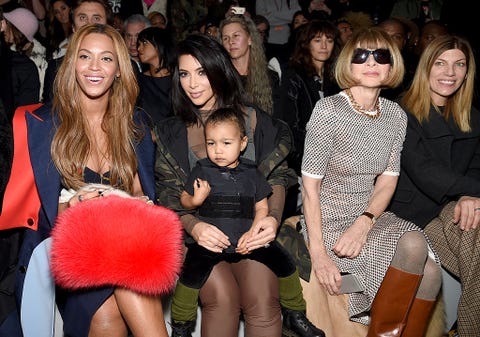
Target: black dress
x: 154, y: 96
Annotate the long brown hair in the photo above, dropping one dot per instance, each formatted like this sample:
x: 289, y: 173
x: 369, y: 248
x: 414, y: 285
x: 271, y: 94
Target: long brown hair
x: 417, y: 99
x: 71, y: 146
x: 258, y: 86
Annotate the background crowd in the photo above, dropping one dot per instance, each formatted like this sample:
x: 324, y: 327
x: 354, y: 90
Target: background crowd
x: 272, y: 63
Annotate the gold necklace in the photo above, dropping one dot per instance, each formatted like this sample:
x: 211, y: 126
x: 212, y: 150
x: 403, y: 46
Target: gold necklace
x: 371, y: 114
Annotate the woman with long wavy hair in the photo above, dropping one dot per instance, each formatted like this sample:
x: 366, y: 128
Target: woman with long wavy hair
x: 93, y: 134
x: 241, y: 39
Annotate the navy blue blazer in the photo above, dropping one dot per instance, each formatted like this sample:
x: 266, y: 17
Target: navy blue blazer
x: 41, y: 129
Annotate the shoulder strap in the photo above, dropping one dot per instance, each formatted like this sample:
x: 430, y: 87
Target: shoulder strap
x: 21, y: 202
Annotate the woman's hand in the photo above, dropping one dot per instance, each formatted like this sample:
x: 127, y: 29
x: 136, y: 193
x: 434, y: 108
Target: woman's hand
x: 261, y: 233
x: 467, y: 213
x: 351, y: 242
x: 82, y: 196
x: 210, y: 237
x: 327, y: 272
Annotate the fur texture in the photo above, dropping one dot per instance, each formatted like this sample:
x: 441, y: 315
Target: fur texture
x: 117, y: 241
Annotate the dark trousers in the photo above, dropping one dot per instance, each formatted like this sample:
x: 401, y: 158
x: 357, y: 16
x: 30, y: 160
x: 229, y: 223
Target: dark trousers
x: 199, y: 262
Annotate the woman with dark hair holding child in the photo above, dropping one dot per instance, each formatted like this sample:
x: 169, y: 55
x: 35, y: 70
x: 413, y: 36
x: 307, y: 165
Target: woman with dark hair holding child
x: 205, y: 80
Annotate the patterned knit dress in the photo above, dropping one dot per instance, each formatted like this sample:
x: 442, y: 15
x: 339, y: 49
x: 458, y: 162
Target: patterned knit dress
x: 348, y: 150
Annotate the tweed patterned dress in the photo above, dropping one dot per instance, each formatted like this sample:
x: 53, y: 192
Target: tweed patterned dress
x: 348, y: 150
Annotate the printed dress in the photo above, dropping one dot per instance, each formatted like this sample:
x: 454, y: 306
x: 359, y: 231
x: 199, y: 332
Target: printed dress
x: 348, y: 150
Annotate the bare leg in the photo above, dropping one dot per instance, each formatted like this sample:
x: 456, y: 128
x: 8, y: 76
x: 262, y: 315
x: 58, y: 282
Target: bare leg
x: 260, y: 299
x: 220, y: 298
x: 108, y: 321
x: 143, y: 313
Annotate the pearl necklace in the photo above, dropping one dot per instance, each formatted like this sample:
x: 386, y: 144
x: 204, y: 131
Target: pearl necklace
x: 357, y: 107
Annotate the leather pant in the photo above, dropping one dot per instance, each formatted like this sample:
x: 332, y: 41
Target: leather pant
x: 247, y: 287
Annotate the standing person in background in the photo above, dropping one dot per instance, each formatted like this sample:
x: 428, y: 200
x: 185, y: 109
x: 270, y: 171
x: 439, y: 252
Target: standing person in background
x: 279, y: 13
x: 204, y: 80
x: 92, y: 134
x: 132, y: 26
x: 439, y: 186
x: 83, y: 12
x: 156, y: 50
x: 240, y: 38
x: 308, y: 78
x: 347, y: 188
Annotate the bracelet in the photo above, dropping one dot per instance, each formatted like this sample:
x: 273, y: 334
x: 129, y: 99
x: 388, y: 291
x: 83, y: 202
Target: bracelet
x: 370, y: 216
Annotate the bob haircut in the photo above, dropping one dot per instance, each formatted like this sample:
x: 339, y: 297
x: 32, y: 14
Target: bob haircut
x: 222, y: 75
x: 369, y: 38
x: 70, y: 146
x: 417, y: 100
x: 162, y: 41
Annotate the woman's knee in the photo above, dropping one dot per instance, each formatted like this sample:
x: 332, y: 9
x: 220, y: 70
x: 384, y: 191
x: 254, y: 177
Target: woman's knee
x: 108, y: 321
x: 431, y: 281
x: 411, y: 252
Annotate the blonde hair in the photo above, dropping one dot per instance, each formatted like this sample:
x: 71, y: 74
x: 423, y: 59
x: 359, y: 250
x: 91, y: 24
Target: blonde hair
x: 71, y: 145
x: 417, y: 99
x: 258, y: 86
x: 369, y: 38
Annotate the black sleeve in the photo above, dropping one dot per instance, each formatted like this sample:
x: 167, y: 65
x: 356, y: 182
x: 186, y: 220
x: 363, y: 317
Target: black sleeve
x: 263, y: 188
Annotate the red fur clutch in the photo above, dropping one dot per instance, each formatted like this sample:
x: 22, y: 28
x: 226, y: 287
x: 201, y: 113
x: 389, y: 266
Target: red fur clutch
x: 117, y: 241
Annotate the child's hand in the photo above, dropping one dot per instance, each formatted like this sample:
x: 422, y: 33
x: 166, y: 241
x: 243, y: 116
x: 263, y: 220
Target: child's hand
x: 201, y: 190
x: 242, y: 243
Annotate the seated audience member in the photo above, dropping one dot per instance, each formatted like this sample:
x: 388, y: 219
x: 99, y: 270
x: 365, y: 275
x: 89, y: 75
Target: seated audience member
x: 92, y: 134
x: 59, y: 28
x: 439, y: 185
x: 83, y: 12
x: 157, y: 19
x: 308, y: 78
x: 347, y: 189
x: 230, y: 193
x: 132, y: 26
x: 156, y: 51
x: 205, y: 80
x: 19, y: 27
x: 240, y: 38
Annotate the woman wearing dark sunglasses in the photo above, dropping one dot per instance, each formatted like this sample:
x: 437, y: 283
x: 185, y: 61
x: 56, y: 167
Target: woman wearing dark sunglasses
x: 350, y: 170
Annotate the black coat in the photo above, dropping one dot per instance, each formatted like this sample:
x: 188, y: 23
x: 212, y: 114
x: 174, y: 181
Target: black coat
x: 294, y: 104
x: 440, y: 164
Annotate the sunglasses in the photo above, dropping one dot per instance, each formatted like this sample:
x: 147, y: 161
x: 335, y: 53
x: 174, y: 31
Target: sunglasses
x: 381, y: 56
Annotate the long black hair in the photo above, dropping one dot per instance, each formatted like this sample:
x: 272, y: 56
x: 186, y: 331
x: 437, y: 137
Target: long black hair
x: 163, y: 43
x: 222, y: 75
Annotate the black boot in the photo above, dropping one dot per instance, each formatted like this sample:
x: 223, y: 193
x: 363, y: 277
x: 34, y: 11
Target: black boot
x: 182, y: 329
x: 296, y: 324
